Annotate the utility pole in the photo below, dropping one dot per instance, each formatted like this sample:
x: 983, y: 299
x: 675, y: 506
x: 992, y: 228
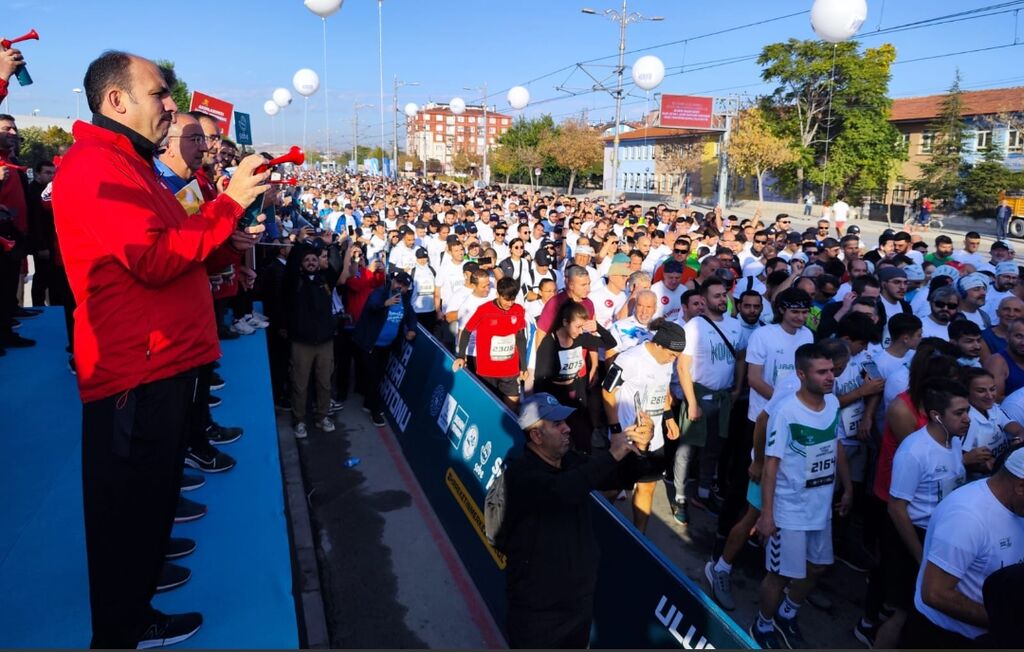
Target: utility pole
x: 485, y: 174
x: 394, y: 111
x: 355, y: 131
x: 723, y: 154
x: 623, y: 18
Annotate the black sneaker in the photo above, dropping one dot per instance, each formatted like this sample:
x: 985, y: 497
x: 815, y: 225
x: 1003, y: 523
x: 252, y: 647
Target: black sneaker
x: 191, y: 482
x: 216, y: 382
x: 179, y: 547
x: 26, y: 313
x: 188, y: 510
x: 215, y: 364
x: 214, y: 401
x: 335, y: 406
x: 225, y: 333
x: 15, y: 324
x: 283, y: 404
x: 680, y: 512
x: 865, y: 632
x: 378, y: 419
x: 711, y: 504
x: 220, y: 435
x: 766, y: 640
x: 170, y: 629
x: 789, y: 632
x: 171, y: 577
x: 15, y: 341
x: 209, y: 461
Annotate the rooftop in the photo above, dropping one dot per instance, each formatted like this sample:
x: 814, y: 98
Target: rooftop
x: 986, y: 102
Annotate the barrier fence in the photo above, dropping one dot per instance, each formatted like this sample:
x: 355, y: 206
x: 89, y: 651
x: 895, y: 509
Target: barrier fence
x: 456, y: 435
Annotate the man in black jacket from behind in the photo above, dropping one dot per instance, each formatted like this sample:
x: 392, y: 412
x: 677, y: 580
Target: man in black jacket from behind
x: 549, y: 540
x: 311, y: 325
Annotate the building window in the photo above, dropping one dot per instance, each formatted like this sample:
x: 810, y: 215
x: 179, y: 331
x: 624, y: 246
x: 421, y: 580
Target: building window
x: 1015, y: 139
x: 492, y: 121
x: 903, y: 142
x: 927, y: 142
x: 504, y: 121
x: 983, y: 140
x: 460, y: 119
x: 450, y: 120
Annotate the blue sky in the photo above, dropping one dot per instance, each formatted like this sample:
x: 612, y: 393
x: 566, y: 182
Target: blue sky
x: 241, y: 51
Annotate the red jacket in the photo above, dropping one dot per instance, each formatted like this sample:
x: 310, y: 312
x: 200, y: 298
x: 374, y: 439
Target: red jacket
x: 360, y: 287
x: 224, y: 258
x: 134, y: 260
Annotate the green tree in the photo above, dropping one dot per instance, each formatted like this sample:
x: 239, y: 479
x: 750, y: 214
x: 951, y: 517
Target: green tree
x: 42, y: 144
x: 523, y: 139
x: 985, y: 180
x: 941, y: 173
x: 503, y: 162
x: 179, y: 89
x: 754, y: 150
x: 861, y: 143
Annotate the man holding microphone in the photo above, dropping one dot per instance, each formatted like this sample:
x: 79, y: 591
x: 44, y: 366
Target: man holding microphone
x: 134, y: 260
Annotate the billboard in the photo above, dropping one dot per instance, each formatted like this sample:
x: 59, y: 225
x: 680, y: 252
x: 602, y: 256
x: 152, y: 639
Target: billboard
x: 243, y: 129
x: 217, y: 109
x: 456, y: 435
x: 686, y: 111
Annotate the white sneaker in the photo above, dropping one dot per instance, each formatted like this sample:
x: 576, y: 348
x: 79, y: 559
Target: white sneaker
x: 260, y: 316
x: 300, y: 430
x: 255, y: 322
x: 326, y: 424
x: 243, y: 327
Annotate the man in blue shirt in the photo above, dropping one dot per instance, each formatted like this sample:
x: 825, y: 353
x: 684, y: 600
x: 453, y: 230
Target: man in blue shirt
x: 1003, y: 215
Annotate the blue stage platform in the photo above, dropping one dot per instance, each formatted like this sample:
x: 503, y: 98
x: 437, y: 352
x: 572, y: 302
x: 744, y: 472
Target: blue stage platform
x: 242, y: 578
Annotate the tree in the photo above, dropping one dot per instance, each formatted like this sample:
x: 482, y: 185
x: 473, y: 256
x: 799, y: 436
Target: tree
x: 799, y: 109
x: 179, y: 89
x: 573, y: 146
x: 39, y: 145
x: 503, y: 162
x: 941, y: 173
x: 986, y: 179
x: 529, y: 158
x: 523, y: 139
x: 678, y: 158
x: 755, y: 150
x: 463, y: 161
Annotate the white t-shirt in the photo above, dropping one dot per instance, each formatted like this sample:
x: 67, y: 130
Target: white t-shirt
x: 713, y: 365
x: 975, y: 259
x: 466, y: 310
x: 642, y: 376
x: 932, y: 328
x: 606, y: 304
x: 805, y: 442
x: 971, y: 536
x: 924, y: 472
x: 1013, y: 406
x: 450, y: 278
x: 629, y: 332
x: 890, y: 310
x: 851, y: 415
x: 423, y: 285
x: 987, y: 431
x: 889, y: 364
x: 402, y: 257
x: 976, y: 317
x: 775, y: 350
x: 895, y: 385
x: 840, y: 211
x: 919, y: 304
x: 669, y: 301
x: 992, y: 301
x: 435, y: 247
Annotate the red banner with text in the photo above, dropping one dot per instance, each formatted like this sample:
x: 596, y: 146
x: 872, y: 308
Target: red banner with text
x: 219, y: 110
x: 686, y: 111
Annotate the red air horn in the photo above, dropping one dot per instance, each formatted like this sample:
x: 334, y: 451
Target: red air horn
x: 13, y: 166
x: 295, y: 155
x: 33, y: 35
x: 286, y: 182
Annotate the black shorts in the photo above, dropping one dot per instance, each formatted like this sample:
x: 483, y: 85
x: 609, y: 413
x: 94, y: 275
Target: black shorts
x: 650, y: 467
x: 508, y: 386
x: 899, y: 566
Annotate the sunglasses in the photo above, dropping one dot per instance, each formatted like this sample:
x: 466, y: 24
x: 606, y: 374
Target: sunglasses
x: 681, y: 251
x: 760, y: 242
x: 947, y: 306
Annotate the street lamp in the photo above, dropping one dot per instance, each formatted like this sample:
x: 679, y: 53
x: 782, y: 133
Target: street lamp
x: 485, y: 174
x: 380, y: 64
x: 623, y: 18
x: 394, y: 110
x: 78, y: 98
x: 355, y: 135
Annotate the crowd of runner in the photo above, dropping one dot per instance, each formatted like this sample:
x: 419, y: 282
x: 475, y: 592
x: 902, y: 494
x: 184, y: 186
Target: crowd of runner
x: 828, y: 397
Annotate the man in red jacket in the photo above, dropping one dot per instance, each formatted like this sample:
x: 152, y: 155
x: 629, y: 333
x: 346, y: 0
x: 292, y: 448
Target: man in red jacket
x: 142, y: 329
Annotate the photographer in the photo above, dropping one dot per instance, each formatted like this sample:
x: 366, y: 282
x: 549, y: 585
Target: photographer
x: 388, y: 312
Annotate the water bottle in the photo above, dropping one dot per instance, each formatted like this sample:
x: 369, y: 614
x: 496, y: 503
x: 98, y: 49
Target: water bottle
x: 351, y: 462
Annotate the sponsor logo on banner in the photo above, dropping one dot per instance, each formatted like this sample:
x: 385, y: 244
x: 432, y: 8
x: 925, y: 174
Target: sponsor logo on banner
x: 469, y: 443
x: 473, y: 513
x: 485, y: 454
x: 437, y: 401
x: 459, y: 423
x: 389, y: 388
x: 217, y: 109
x: 672, y: 618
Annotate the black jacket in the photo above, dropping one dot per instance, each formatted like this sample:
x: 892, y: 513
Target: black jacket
x: 271, y: 281
x: 552, y: 553
x: 375, y: 313
x: 310, y: 315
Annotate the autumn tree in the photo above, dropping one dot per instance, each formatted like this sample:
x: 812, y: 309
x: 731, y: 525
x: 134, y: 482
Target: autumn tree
x: 575, y: 147
x: 754, y: 150
x: 39, y: 145
x: 679, y: 158
x: 503, y: 162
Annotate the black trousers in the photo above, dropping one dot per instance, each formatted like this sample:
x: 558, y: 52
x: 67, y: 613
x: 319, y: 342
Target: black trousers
x: 374, y: 364
x: 919, y: 633
x: 10, y: 277
x: 563, y: 627
x: 428, y: 320
x: 344, y: 355
x: 42, y: 280
x: 133, y: 448
x: 279, y: 352
x: 200, y: 417
x: 61, y: 295
x: 732, y: 469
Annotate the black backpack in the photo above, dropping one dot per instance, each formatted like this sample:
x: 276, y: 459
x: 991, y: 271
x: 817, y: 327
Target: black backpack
x: 495, y: 508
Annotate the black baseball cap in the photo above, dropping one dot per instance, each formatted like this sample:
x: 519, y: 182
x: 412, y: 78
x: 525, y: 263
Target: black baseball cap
x: 422, y: 253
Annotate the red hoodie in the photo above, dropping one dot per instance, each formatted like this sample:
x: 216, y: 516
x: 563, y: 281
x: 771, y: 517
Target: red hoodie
x: 134, y: 259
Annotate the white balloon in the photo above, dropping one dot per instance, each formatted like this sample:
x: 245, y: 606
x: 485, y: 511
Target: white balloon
x: 836, y: 21
x: 457, y: 105
x: 306, y: 82
x: 411, y: 110
x: 324, y: 8
x: 282, y: 97
x: 271, y: 108
x: 648, y: 72
x: 518, y: 97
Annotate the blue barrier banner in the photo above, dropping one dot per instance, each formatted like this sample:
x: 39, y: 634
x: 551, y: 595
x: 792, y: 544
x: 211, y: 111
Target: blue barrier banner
x: 456, y: 435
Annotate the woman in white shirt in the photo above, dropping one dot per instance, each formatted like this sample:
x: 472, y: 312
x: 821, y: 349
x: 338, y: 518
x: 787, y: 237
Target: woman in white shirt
x: 992, y: 432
